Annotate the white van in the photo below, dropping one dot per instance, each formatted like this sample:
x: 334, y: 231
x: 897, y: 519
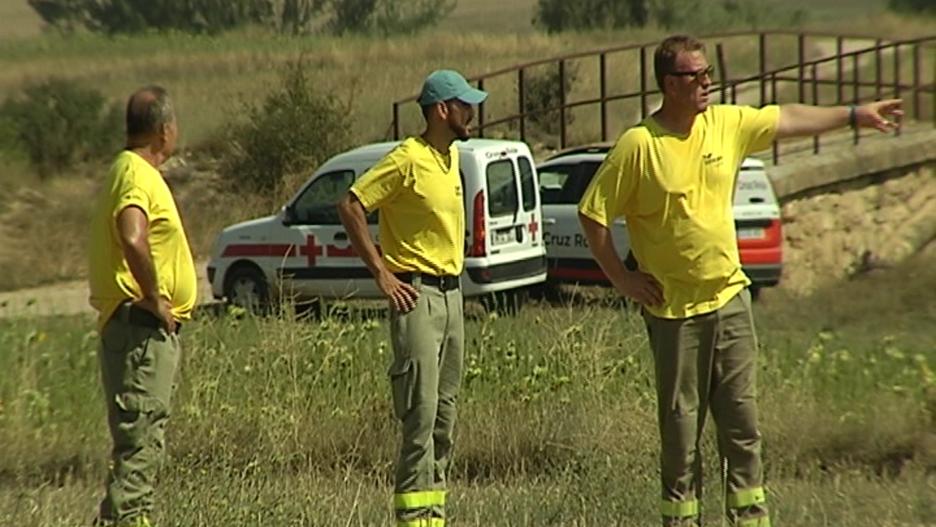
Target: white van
x: 303, y: 252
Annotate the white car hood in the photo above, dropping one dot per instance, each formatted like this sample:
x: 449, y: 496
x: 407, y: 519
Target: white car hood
x: 255, y: 229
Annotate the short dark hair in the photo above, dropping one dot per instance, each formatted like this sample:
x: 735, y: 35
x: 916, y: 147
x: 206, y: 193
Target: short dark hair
x: 664, y: 58
x: 148, y: 109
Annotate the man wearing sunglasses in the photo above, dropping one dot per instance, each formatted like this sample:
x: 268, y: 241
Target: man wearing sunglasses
x: 672, y: 177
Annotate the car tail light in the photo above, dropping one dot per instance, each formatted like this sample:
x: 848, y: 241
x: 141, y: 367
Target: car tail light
x: 774, y: 232
x: 478, y: 230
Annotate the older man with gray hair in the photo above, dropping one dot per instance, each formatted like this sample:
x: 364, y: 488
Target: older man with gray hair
x: 143, y: 286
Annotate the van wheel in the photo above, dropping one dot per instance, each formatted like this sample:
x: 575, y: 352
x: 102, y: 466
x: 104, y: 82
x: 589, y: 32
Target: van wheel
x: 504, y: 302
x: 246, y: 287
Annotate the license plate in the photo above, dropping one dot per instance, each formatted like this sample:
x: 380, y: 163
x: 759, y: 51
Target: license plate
x: 504, y: 236
x: 750, y: 233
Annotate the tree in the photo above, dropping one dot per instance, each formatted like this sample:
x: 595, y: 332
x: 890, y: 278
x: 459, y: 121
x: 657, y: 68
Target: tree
x: 562, y: 15
x: 914, y: 6
x: 290, y: 133
x: 385, y: 17
x: 57, y: 123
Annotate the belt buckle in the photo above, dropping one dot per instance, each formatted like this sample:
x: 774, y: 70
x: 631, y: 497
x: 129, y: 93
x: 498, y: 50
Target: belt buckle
x: 448, y: 283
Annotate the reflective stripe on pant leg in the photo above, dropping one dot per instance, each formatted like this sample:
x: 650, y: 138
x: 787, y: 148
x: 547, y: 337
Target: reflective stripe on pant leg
x: 679, y: 509
x: 418, y: 500
x: 420, y: 503
x: 746, y: 508
x: 747, y: 497
x: 422, y: 522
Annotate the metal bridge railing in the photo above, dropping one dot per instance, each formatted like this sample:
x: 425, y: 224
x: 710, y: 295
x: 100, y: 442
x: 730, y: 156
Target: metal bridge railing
x: 858, y: 76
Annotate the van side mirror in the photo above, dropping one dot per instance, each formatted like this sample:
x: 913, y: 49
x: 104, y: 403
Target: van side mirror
x: 289, y: 215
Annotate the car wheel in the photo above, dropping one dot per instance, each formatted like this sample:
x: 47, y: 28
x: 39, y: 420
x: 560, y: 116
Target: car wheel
x: 246, y: 287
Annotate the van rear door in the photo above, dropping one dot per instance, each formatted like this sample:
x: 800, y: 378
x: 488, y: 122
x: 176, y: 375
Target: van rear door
x: 513, y: 218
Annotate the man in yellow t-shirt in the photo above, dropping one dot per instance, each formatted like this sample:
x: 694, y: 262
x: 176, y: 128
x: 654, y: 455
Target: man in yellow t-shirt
x: 417, y: 188
x: 672, y: 178
x: 142, y: 280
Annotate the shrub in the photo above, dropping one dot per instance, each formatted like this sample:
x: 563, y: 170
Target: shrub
x: 562, y: 15
x: 542, y: 98
x: 213, y: 16
x: 913, y: 7
x: 191, y: 16
x: 386, y: 17
x: 58, y: 123
x: 292, y: 131
x: 693, y: 15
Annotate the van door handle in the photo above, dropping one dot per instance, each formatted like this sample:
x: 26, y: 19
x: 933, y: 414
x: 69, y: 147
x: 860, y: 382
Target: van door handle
x: 341, y: 236
x: 549, y: 221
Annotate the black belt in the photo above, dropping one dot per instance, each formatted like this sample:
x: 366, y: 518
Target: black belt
x: 137, y: 316
x: 443, y: 283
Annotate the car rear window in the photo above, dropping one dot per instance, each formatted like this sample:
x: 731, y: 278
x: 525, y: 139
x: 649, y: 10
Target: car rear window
x: 552, y: 180
x: 502, y: 188
x: 527, y: 184
x: 566, y: 184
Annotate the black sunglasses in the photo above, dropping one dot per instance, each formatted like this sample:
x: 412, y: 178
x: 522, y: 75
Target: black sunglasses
x: 697, y: 75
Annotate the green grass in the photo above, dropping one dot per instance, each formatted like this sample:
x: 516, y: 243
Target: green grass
x: 289, y: 423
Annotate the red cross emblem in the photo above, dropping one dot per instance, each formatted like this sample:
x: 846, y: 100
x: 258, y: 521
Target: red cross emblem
x: 311, y: 250
x: 533, y: 226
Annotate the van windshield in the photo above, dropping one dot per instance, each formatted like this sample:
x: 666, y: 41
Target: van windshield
x: 502, y: 188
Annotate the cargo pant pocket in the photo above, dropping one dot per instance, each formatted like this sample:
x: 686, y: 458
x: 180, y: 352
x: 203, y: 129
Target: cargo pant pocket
x: 402, y: 382
x: 137, y: 415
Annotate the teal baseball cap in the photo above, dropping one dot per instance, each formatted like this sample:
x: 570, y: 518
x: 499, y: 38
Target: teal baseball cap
x: 444, y: 85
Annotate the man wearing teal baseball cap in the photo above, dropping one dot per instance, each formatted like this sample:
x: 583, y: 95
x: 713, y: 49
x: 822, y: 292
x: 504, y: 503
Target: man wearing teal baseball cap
x: 445, y: 85
x: 417, y: 188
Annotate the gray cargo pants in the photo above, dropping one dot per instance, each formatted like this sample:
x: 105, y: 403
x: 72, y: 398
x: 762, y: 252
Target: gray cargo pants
x: 707, y: 362
x: 138, y: 367
x: 428, y: 349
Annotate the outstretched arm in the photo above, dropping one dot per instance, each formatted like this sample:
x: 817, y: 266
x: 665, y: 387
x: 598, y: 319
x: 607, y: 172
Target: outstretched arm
x: 798, y: 120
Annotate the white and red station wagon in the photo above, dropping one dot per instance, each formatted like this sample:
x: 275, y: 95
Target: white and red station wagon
x: 303, y: 251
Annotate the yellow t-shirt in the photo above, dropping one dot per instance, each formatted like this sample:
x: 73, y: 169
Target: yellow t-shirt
x: 132, y: 181
x: 675, y: 191
x: 422, y: 216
